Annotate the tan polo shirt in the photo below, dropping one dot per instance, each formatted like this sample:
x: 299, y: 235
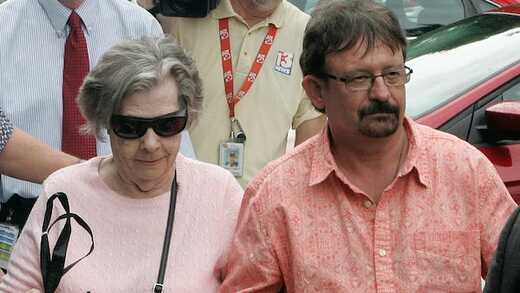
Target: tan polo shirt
x: 274, y: 103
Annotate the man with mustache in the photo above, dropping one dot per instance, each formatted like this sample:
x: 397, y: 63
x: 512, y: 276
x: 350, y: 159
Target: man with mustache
x: 377, y: 202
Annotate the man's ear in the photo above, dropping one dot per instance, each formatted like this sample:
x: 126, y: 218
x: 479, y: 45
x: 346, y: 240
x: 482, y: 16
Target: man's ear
x: 313, y: 87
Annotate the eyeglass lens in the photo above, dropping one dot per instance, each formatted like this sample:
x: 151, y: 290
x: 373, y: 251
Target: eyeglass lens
x: 134, y: 127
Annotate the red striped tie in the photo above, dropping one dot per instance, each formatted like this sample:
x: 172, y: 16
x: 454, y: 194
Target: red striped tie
x: 75, y: 68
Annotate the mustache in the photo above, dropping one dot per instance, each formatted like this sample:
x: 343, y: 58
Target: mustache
x: 377, y: 107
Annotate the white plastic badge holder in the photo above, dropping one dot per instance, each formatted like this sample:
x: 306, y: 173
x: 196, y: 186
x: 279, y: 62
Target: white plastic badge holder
x: 232, y: 157
x: 8, y: 236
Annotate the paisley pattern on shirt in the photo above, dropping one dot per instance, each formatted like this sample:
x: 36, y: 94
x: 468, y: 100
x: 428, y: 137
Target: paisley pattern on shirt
x: 435, y: 228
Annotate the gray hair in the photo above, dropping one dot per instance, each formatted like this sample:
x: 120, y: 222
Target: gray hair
x: 137, y: 66
x: 338, y: 25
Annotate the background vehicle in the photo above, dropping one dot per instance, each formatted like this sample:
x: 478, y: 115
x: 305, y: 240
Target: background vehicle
x: 420, y: 16
x: 466, y: 82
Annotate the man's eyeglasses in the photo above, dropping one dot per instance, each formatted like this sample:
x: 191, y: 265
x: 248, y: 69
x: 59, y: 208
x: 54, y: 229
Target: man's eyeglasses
x: 130, y: 127
x: 364, y: 81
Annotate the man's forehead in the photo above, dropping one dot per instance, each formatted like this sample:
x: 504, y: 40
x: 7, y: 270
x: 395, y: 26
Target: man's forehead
x: 359, y: 51
x: 362, y: 48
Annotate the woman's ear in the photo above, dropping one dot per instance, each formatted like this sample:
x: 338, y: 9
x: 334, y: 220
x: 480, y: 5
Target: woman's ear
x: 313, y: 87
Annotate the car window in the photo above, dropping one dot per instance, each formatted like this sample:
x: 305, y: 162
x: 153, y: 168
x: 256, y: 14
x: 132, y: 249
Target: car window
x: 458, y: 57
x: 512, y: 94
x: 441, y: 12
x: 415, y: 16
x: 309, y: 5
x: 483, y: 5
x: 479, y: 133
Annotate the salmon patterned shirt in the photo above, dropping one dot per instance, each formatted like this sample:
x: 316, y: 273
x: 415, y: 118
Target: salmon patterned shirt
x: 304, y: 226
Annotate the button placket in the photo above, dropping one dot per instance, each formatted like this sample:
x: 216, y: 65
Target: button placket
x: 382, y: 245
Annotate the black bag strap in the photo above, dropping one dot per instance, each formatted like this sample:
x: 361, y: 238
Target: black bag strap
x: 159, y: 285
x: 53, y: 269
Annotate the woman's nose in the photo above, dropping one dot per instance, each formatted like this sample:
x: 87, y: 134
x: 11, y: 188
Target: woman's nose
x: 150, y: 141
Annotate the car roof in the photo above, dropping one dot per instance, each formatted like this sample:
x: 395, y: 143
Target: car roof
x: 511, y: 9
x: 505, y: 2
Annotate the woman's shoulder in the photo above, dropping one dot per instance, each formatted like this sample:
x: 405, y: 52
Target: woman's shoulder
x: 72, y: 176
x: 195, y: 167
x: 205, y: 175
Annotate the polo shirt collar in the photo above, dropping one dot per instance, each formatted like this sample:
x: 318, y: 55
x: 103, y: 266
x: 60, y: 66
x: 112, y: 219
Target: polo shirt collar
x: 58, y: 14
x: 225, y: 10
x: 416, y: 162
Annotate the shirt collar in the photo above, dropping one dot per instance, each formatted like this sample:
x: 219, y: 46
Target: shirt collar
x: 322, y: 163
x: 416, y: 162
x: 58, y: 14
x: 225, y: 10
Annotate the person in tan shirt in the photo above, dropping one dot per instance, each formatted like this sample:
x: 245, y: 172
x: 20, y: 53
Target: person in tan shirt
x: 275, y: 101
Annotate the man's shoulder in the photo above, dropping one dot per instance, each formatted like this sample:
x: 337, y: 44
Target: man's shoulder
x: 447, y: 141
x: 442, y: 146
x: 294, y: 12
x: 294, y: 18
x: 129, y: 12
x: 11, y: 9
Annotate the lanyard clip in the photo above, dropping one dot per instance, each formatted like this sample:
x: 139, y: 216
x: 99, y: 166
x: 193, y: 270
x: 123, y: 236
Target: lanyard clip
x: 158, y: 288
x: 237, y: 133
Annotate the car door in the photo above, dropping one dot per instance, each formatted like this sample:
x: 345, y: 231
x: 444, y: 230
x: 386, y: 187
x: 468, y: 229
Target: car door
x: 505, y: 154
x: 470, y: 125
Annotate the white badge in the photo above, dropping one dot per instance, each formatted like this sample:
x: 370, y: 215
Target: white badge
x: 232, y: 157
x: 8, y: 236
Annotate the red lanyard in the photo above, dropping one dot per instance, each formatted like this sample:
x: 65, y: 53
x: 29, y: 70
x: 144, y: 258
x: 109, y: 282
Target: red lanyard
x: 227, y: 66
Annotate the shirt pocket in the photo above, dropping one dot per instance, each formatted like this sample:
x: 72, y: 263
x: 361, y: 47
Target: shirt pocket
x: 448, y: 261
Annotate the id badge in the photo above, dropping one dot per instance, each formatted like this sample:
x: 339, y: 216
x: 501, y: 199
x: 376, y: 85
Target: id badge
x: 8, y: 236
x: 232, y: 157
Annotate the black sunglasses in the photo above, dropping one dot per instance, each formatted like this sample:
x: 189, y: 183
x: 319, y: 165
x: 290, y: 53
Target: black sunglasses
x: 130, y: 127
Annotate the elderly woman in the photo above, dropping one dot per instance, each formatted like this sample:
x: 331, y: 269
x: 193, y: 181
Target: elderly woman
x: 144, y: 93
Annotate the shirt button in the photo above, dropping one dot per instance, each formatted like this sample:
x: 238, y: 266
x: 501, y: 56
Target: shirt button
x: 382, y: 252
x: 245, y: 53
x: 367, y: 204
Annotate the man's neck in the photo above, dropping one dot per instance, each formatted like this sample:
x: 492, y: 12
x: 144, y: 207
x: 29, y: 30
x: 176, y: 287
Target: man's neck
x: 363, y: 159
x: 71, y: 4
x: 251, y: 13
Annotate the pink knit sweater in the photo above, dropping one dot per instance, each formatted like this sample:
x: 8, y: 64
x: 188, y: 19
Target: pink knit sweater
x: 129, y: 233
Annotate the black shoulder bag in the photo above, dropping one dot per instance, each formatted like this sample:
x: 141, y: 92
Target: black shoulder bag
x: 53, y: 269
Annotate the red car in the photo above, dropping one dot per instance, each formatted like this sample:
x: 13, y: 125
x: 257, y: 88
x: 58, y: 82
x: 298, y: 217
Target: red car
x: 420, y: 16
x: 466, y: 82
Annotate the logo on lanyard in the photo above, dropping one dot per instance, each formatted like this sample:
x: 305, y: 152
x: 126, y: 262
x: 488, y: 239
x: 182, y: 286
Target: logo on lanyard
x: 284, y: 62
x: 227, y: 67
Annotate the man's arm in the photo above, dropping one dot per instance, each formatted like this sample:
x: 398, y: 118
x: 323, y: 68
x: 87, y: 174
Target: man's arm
x: 251, y: 263
x: 309, y: 128
x: 496, y: 206
x: 27, y: 158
